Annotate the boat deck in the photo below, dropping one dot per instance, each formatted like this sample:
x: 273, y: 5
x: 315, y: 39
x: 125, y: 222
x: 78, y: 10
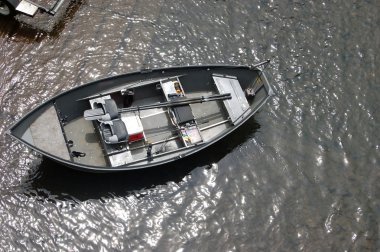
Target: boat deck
x: 163, y: 137
x: 48, y: 123
x: 167, y: 133
x: 158, y: 130
x: 86, y: 140
x: 208, y: 116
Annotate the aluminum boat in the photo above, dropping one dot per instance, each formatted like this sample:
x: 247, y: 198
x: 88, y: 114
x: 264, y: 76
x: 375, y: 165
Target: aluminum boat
x: 146, y: 118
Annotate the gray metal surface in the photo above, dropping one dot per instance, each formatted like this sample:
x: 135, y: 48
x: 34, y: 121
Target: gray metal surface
x: 46, y: 134
x: 86, y: 140
x: 238, y: 104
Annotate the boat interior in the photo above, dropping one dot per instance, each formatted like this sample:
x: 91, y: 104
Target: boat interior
x: 147, y: 121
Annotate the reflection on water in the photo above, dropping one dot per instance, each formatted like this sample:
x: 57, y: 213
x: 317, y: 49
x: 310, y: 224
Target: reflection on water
x: 306, y: 179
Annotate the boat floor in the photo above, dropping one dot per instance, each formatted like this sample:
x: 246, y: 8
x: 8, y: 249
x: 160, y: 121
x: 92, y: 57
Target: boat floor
x: 85, y: 140
x: 158, y: 129
x: 48, y: 124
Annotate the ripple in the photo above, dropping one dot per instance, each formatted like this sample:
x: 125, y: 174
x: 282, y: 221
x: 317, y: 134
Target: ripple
x: 303, y: 175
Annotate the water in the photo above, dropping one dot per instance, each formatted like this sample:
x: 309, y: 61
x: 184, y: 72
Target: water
x: 302, y: 175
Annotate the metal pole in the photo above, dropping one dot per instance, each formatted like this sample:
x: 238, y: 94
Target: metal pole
x: 178, y: 103
x: 264, y: 64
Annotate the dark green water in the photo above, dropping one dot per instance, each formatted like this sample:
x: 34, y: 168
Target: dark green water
x: 303, y: 175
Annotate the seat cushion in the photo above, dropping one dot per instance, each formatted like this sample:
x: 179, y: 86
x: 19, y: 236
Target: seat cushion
x: 114, y: 131
x: 118, y: 128
x: 110, y: 107
x: 103, y: 110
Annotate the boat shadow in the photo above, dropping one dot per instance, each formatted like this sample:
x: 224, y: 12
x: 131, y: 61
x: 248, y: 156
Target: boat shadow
x: 50, y: 180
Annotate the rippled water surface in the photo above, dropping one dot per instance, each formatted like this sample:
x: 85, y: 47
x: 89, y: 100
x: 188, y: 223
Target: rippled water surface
x: 302, y: 175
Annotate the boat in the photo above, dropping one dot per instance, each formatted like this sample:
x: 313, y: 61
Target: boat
x: 146, y: 118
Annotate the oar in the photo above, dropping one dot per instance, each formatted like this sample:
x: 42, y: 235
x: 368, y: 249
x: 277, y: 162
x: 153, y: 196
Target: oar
x: 181, y: 102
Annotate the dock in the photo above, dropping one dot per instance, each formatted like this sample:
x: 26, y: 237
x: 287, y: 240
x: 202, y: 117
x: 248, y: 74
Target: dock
x: 43, y: 21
